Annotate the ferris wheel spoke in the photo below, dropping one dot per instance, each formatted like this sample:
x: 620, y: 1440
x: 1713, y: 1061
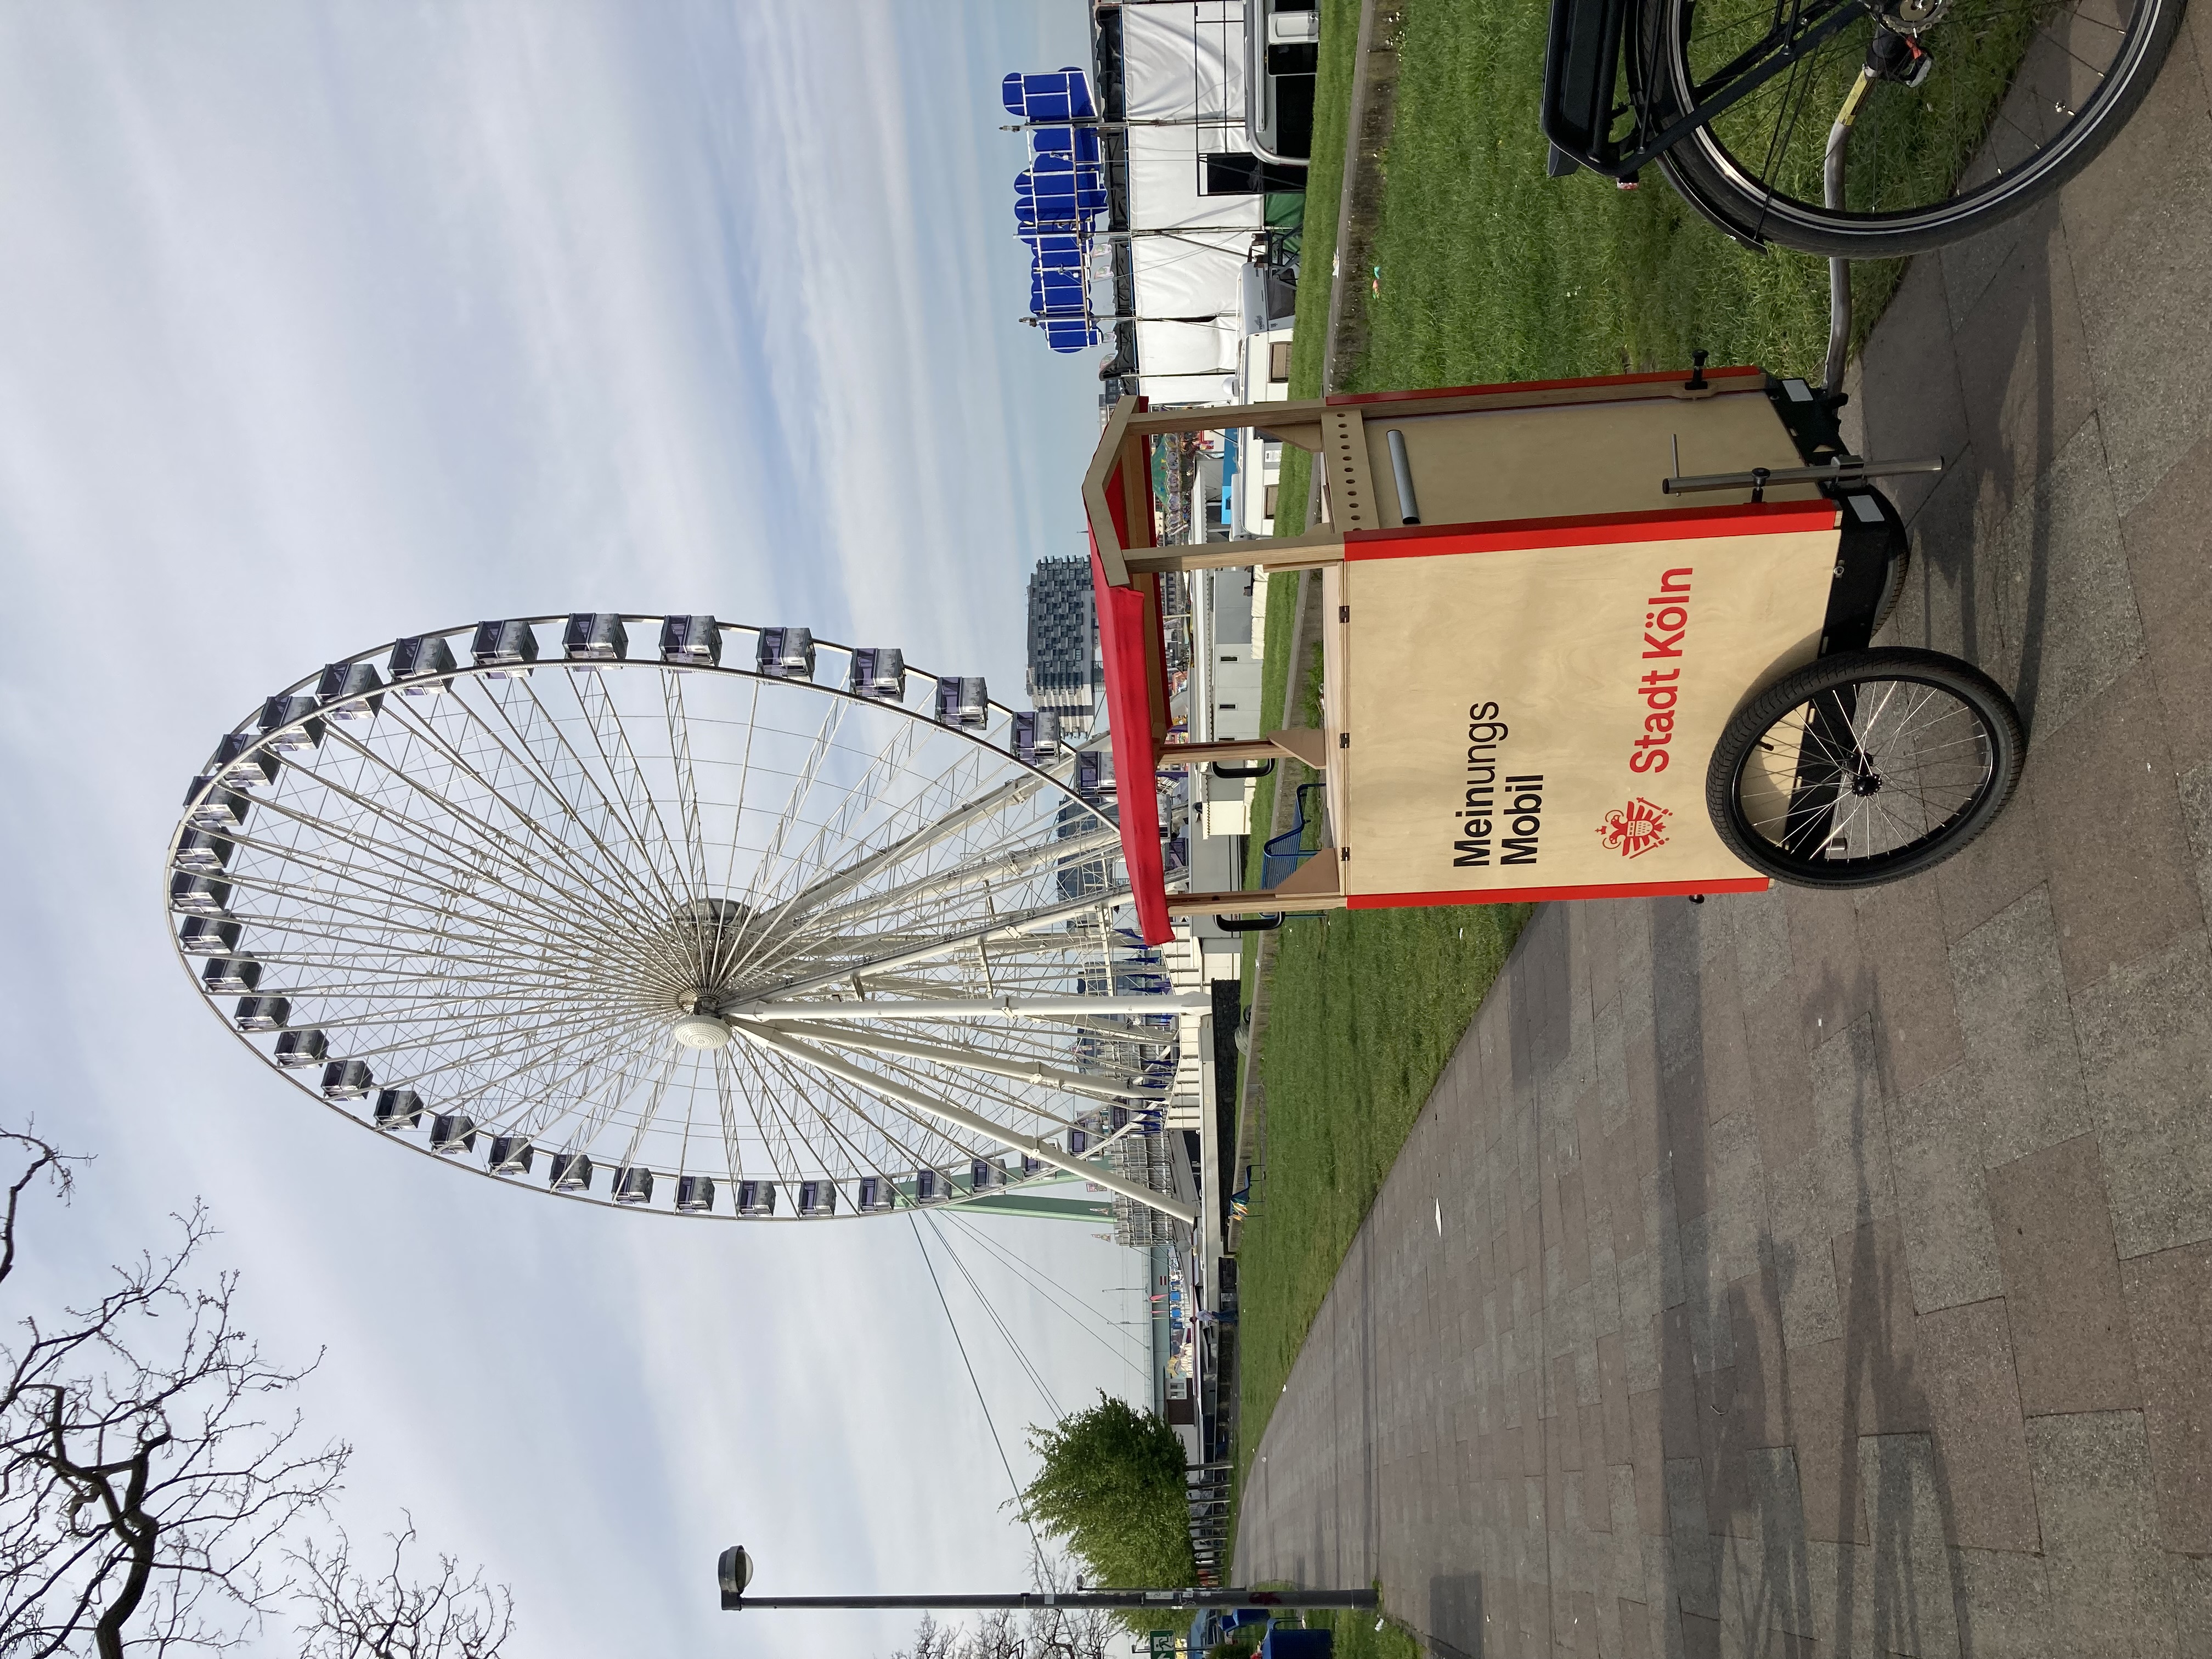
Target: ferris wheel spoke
x: 774, y: 867
x: 647, y: 1117
x: 844, y: 1123
x: 591, y: 878
x: 317, y: 906
x: 594, y: 1105
x: 865, y: 790
x: 394, y: 994
x: 499, y: 1038
x: 848, y: 974
x: 868, y: 790
x: 976, y: 1091
x: 782, y: 1081
x: 726, y: 1107
x: 872, y: 1109
x: 510, y: 845
x: 405, y: 849
x: 442, y: 1012
x: 530, y: 1042
x: 596, y: 866
x: 413, y: 871
x: 539, y: 1113
x: 449, y: 1006
x: 393, y: 932
x: 1031, y: 860
x: 741, y: 802
x: 864, y: 793
x: 772, y: 1119
x: 355, y: 957
x: 525, y: 715
x: 910, y: 846
x: 507, y: 1108
x: 888, y: 1158
x: 918, y: 1101
x: 972, y: 1007
x: 687, y: 806
x: 1019, y: 1067
x: 637, y: 813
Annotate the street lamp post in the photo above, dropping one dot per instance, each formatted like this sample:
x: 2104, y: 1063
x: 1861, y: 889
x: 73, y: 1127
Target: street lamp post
x: 735, y: 1571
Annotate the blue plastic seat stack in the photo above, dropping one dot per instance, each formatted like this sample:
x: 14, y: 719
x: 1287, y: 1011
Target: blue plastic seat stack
x: 1057, y: 199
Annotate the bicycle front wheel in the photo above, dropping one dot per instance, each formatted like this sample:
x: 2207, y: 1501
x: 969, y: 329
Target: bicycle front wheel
x: 1964, y: 112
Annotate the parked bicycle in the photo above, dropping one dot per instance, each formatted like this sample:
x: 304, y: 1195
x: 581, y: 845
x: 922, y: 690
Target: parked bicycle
x: 1943, y: 117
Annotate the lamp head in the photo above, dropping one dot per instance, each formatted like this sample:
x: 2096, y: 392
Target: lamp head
x: 734, y: 1572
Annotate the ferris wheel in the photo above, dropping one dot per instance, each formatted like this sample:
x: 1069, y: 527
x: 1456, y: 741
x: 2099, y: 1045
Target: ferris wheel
x: 741, y: 924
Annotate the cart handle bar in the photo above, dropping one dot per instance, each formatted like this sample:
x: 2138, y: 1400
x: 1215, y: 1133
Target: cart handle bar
x: 1757, y: 480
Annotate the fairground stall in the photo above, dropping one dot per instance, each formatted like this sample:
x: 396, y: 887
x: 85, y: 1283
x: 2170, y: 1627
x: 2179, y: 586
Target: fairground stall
x: 1579, y: 639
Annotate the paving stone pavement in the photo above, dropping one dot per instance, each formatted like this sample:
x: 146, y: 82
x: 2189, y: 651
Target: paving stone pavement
x: 1801, y: 1274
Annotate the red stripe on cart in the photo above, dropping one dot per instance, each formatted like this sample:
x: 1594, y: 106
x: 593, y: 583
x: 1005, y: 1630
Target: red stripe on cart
x: 1675, y: 376
x: 1591, y: 530
x: 1540, y: 894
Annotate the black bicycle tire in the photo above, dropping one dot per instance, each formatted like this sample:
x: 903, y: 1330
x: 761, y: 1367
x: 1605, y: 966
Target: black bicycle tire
x: 1962, y: 679
x: 1754, y: 215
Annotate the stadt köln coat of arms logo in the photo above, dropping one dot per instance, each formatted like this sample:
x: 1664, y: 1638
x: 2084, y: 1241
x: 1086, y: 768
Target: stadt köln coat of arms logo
x: 1635, y: 829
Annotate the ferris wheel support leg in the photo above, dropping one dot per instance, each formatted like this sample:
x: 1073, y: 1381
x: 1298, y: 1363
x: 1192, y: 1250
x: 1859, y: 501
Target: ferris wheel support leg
x: 950, y: 1008
x: 1075, y: 1083
x: 860, y: 1077
x: 1013, y: 928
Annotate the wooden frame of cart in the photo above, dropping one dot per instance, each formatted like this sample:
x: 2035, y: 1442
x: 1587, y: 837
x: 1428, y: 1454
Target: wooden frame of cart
x: 1580, y: 639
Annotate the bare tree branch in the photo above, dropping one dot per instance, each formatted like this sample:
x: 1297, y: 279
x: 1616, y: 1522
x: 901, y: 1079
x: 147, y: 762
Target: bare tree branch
x: 352, y: 1614
x: 44, y: 1160
x: 1037, y: 1633
x: 141, y: 1479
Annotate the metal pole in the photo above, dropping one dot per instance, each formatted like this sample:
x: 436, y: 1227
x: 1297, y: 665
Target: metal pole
x: 1005, y: 1005
x: 1104, y: 1600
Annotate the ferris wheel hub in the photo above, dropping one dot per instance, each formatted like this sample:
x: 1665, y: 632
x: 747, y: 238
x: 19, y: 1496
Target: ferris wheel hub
x: 701, y: 1031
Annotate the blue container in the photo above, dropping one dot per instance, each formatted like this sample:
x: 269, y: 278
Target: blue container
x: 1288, y: 1641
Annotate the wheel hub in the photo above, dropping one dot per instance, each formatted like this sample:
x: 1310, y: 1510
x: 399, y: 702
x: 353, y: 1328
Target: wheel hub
x: 1911, y: 15
x: 701, y: 1030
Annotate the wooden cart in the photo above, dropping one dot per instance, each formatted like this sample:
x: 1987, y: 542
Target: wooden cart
x: 1580, y: 639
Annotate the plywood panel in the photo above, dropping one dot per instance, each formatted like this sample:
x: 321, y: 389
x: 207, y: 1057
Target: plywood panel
x: 1491, y: 465
x: 1465, y: 672
x: 1335, y: 687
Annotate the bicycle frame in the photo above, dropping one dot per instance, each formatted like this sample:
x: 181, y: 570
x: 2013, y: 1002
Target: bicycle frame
x: 1582, y: 66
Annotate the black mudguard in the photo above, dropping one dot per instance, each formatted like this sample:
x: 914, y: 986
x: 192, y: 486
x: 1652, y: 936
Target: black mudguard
x: 1582, y: 69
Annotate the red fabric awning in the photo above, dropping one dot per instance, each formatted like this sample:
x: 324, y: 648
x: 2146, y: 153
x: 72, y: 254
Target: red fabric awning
x: 1128, y: 638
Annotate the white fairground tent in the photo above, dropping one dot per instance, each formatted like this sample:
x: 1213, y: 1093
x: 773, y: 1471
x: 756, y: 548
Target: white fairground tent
x: 1184, y: 63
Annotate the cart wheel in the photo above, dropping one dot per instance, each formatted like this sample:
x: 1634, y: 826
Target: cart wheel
x: 1865, y: 766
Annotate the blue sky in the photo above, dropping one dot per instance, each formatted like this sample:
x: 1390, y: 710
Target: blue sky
x: 320, y: 325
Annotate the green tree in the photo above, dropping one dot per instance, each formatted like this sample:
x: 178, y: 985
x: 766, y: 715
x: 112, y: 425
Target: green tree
x: 1112, y: 1485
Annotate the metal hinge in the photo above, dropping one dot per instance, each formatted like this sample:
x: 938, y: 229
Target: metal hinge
x: 1344, y: 740
x: 1344, y: 613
